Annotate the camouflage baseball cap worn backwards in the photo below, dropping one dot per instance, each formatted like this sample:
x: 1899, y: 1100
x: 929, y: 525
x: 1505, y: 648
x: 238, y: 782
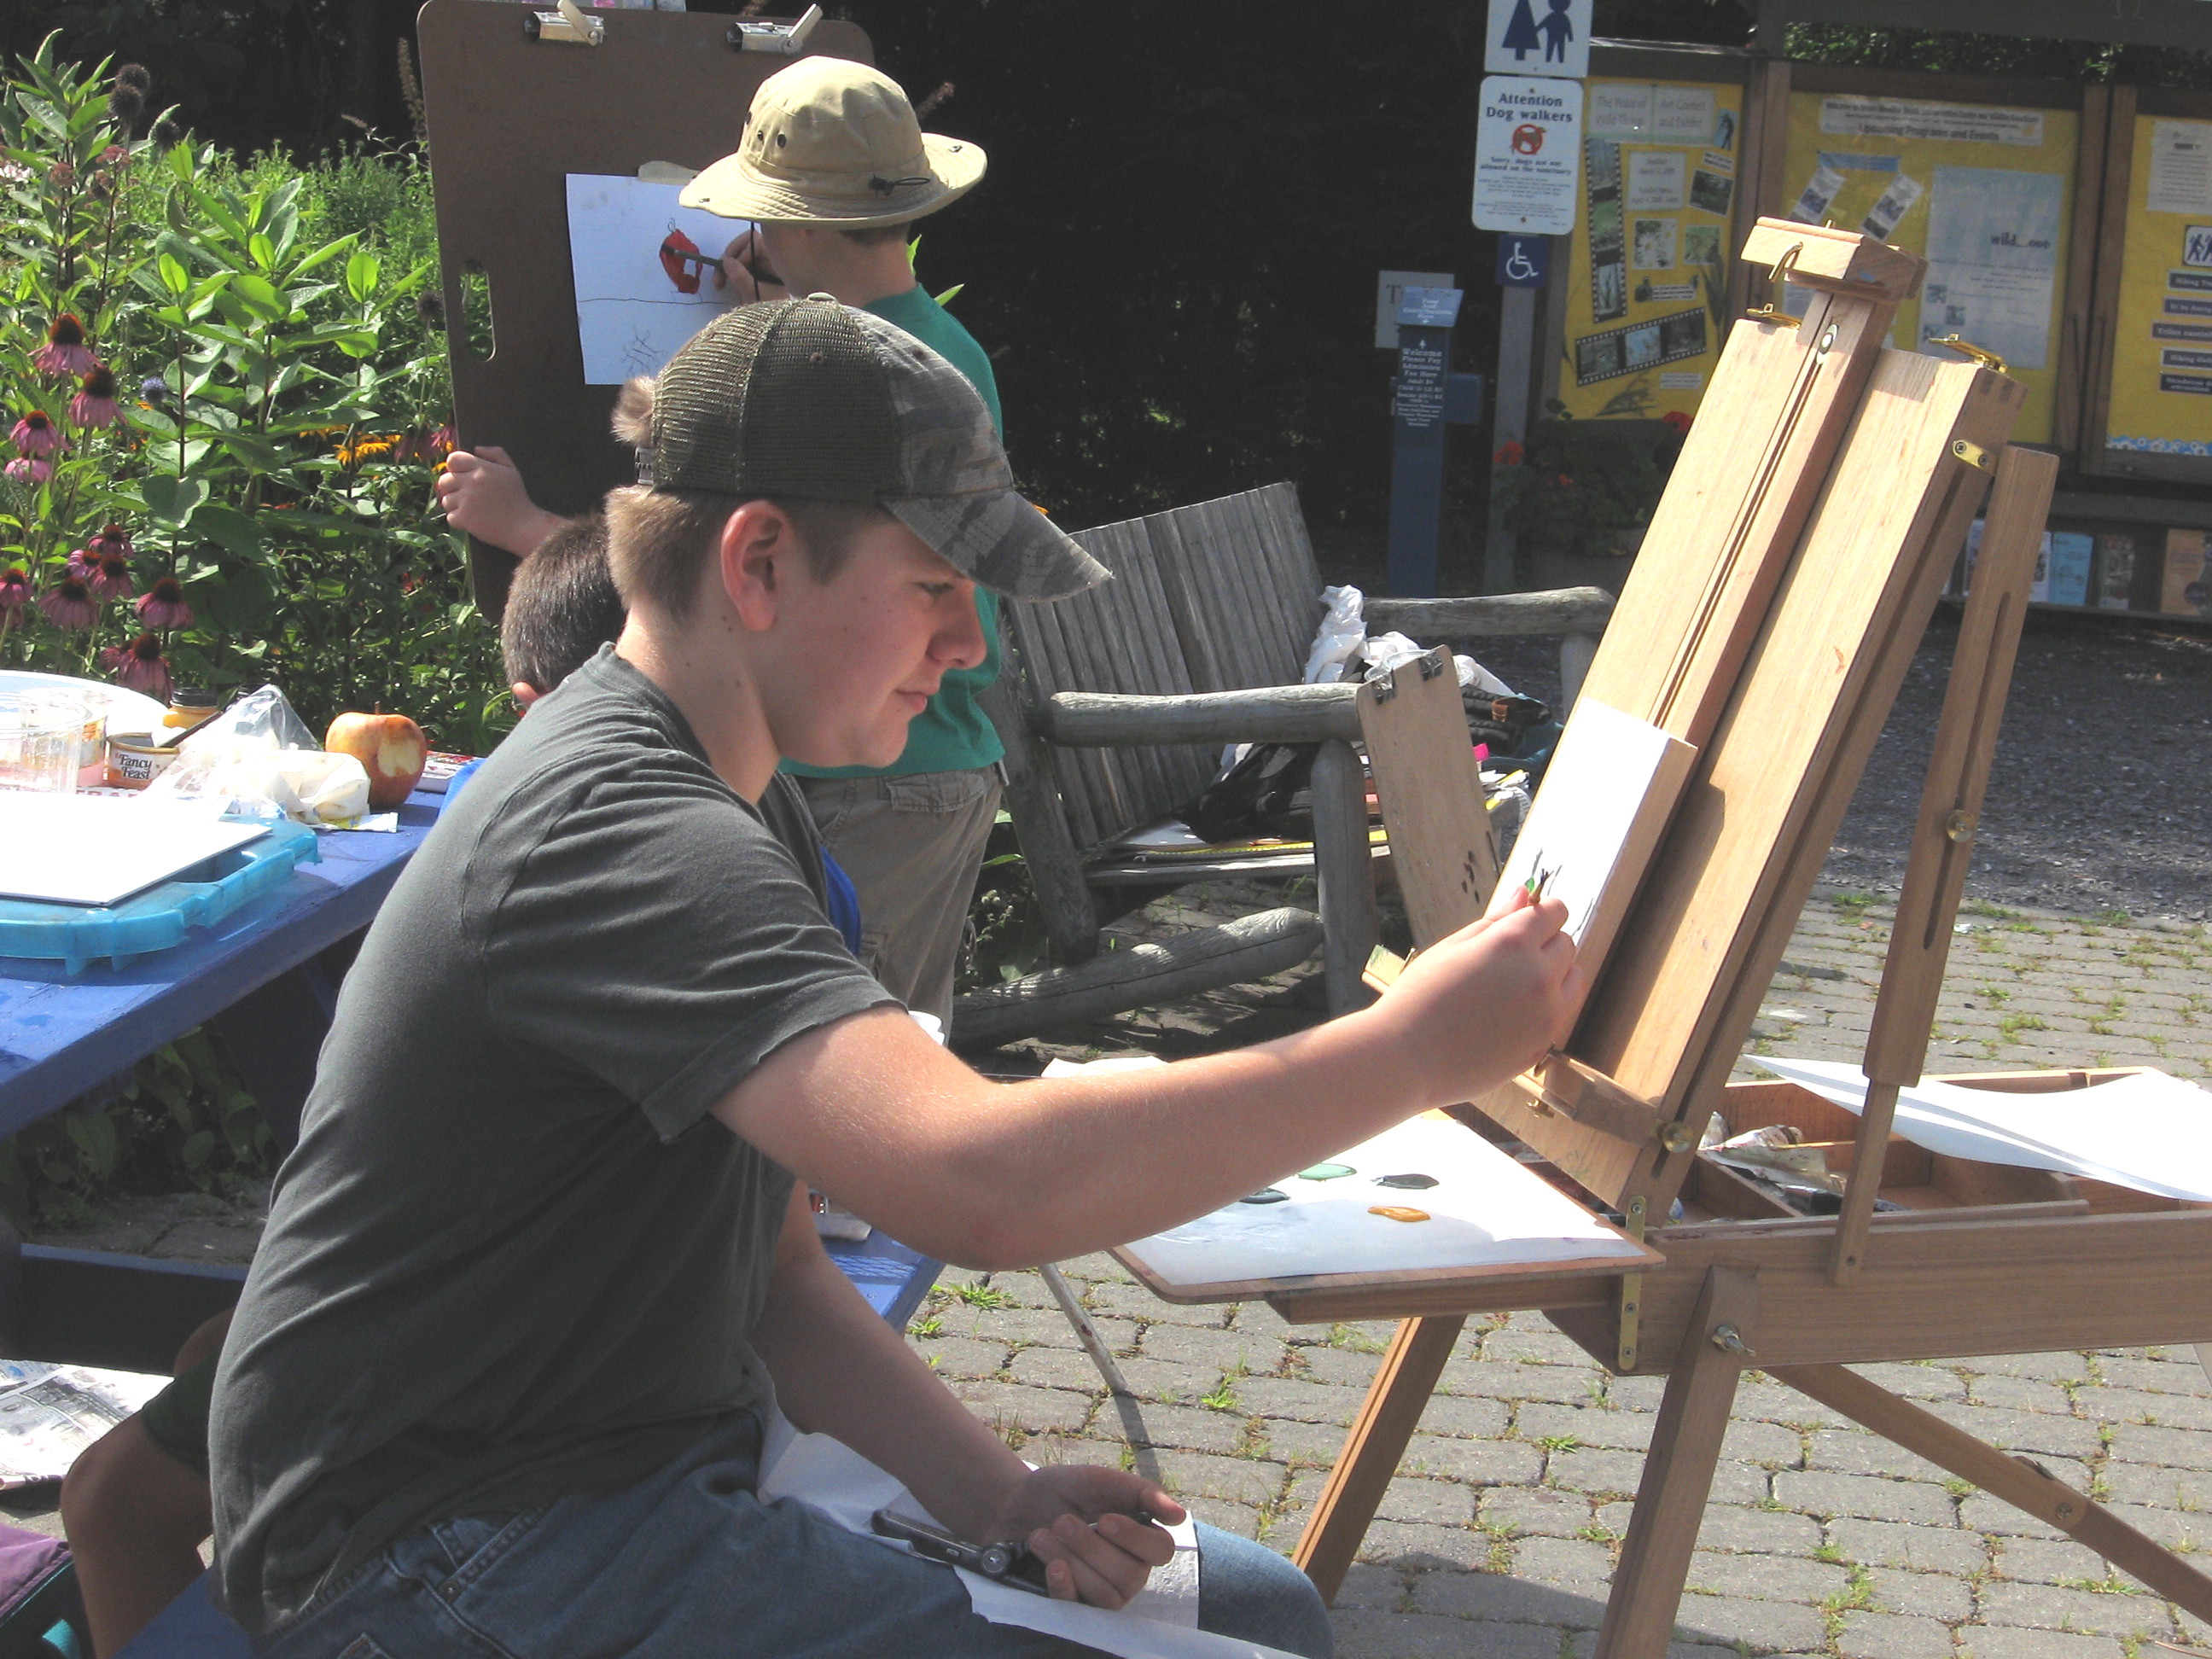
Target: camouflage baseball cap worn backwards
x: 810, y: 399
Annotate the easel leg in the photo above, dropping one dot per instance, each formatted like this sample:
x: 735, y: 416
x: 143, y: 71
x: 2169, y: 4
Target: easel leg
x: 1372, y: 1450
x: 2018, y: 1482
x: 1677, y: 1472
x: 1085, y: 1332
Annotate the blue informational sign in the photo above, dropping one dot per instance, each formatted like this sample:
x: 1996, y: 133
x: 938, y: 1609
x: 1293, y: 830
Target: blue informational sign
x: 1523, y: 261
x: 1426, y: 398
x: 1428, y: 308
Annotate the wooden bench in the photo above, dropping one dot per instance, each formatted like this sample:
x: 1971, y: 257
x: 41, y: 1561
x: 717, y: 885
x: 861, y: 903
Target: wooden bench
x: 1113, y: 709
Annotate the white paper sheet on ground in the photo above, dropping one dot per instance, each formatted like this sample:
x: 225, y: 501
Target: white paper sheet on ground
x: 1161, y: 1623
x: 631, y: 313
x: 2149, y: 1132
x: 1485, y: 1210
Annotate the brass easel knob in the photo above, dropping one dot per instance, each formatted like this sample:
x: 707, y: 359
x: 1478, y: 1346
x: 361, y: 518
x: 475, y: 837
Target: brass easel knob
x: 1771, y: 313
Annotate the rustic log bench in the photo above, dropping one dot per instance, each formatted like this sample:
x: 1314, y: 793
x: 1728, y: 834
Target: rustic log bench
x: 1113, y: 709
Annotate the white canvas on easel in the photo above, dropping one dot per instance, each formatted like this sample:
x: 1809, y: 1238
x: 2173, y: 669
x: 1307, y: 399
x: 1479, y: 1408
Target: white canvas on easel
x: 1606, y: 795
x: 98, y: 850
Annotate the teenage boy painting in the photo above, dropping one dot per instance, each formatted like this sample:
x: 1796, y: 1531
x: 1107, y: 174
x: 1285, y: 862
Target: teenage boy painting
x: 542, y: 1262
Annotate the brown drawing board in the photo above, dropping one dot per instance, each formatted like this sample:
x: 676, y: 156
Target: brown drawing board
x: 510, y: 118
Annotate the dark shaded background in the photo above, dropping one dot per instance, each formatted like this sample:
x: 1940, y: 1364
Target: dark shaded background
x: 1173, y: 258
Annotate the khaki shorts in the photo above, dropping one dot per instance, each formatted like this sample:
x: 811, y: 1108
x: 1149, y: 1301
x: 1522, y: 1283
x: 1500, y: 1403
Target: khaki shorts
x: 913, y: 845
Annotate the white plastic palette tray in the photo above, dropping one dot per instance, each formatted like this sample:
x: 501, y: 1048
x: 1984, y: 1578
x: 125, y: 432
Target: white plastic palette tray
x: 1487, y: 1214
x: 98, y: 850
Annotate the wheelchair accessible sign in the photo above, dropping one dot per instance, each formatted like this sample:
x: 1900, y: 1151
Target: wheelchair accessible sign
x: 1528, y: 154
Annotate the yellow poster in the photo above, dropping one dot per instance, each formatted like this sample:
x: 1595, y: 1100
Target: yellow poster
x: 1646, y: 267
x: 1985, y: 193
x: 2161, y: 397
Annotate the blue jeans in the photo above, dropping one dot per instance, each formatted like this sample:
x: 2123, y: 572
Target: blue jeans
x: 688, y: 1561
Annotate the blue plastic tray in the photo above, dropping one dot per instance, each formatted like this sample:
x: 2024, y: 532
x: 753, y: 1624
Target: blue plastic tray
x: 76, y: 936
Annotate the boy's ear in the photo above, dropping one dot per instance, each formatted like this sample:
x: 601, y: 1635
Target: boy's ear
x: 524, y: 694
x: 758, y: 544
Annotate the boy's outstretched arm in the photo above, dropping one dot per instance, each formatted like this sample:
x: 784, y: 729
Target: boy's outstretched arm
x: 872, y: 1112
x: 481, y: 491
x: 840, y: 1370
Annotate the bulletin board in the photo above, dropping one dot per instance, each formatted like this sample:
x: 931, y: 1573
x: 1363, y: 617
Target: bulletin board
x: 1984, y: 178
x: 2151, y: 403
x: 1648, y: 279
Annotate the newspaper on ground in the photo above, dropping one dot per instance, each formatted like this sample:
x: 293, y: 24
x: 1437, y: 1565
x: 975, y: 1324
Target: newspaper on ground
x: 50, y: 1414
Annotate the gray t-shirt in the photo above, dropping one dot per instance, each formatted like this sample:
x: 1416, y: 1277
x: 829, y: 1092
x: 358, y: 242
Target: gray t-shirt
x: 514, y: 1256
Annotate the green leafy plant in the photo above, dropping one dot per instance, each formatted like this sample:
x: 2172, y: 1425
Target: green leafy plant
x: 180, y: 1111
x: 224, y: 416
x: 1585, y: 485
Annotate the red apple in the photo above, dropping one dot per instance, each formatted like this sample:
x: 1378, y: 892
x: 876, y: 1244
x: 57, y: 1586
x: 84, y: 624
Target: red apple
x: 391, y: 748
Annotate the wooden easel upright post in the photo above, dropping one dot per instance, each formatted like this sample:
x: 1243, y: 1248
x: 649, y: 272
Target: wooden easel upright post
x: 1784, y: 654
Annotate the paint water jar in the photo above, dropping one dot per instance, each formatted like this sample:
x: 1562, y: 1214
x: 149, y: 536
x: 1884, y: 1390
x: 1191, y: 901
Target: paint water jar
x: 41, y: 738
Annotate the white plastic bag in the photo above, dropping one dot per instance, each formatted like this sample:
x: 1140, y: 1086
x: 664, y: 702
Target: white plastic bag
x: 1474, y: 677
x: 261, y: 720
x: 323, y: 791
x: 1384, y: 652
x: 1342, y: 632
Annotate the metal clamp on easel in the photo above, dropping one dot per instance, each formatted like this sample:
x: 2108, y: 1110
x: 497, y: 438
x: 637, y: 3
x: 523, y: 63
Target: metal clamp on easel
x: 569, y: 23
x: 787, y: 39
x: 1770, y: 312
x: 1983, y: 356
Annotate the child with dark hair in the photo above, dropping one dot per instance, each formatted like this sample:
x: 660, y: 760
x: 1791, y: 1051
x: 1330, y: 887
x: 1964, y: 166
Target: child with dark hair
x: 561, y: 608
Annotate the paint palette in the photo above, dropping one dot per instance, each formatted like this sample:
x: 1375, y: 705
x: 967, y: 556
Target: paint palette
x: 1478, y: 1208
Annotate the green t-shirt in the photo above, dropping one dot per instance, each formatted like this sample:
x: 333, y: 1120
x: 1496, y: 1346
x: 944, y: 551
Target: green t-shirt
x: 513, y: 1255
x: 952, y: 734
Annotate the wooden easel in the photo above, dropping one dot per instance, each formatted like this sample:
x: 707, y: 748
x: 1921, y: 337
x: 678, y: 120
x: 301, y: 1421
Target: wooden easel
x: 511, y: 113
x: 1783, y: 586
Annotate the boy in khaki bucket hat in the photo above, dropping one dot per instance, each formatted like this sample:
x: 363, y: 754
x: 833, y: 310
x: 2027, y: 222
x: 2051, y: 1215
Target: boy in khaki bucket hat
x: 832, y: 168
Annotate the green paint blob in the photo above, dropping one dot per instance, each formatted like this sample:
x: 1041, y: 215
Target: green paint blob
x: 1326, y: 1172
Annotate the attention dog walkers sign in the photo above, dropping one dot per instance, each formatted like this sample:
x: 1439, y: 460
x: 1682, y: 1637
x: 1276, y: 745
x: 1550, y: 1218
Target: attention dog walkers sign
x: 1528, y: 155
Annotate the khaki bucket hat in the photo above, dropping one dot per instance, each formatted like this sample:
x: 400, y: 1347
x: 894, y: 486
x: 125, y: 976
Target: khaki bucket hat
x: 835, y: 141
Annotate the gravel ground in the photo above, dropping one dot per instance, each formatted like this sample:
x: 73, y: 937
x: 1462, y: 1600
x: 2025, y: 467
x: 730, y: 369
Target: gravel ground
x: 2098, y: 800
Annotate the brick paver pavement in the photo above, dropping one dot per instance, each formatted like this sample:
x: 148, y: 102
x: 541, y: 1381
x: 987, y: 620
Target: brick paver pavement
x: 1498, y: 1536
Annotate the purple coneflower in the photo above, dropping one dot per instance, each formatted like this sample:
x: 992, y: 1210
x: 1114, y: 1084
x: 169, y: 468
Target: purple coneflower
x: 163, y: 605
x: 112, y: 579
x: 140, y: 666
x: 65, y: 351
x: 95, y: 404
x: 68, y: 605
x: 28, y: 470
x: 36, y: 435
x: 15, y: 590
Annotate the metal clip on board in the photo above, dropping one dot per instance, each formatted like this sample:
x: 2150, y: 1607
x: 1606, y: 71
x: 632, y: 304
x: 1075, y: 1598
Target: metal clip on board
x: 569, y: 23
x: 787, y: 39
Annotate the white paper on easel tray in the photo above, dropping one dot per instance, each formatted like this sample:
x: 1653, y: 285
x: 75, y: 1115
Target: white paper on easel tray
x: 1610, y: 788
x: 633, y: 311
x: 2148, y: 1132
x: 1486, y: 1210
x: 97, y: 849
